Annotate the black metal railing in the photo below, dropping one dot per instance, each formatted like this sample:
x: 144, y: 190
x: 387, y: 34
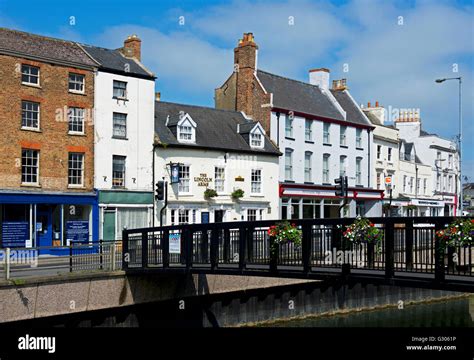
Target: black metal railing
x: 409, y: 246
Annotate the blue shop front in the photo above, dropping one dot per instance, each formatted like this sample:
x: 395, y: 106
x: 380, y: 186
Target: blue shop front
x: 52, y: 220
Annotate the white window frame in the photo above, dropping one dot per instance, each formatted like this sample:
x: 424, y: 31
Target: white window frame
x: 389, y: 154
x: 326, y: 133
x: 256, y: 181
x: 25, y: 127
x: 308, y: 171
x: 187, y: 123
x: 73, y: 116
x: 358, y: 171
x: 289, y: 167
x: 81, y: 169
x: 182, y: 215
x: 425, y: 183
x: 218, y: 180
x: 342, y: 135
x: 181, y: 186
x: 123, y: 95
x: 257, y: 137
x: 124, y: 158
x: 29, y: 75
x: 289, y: 126
x: 358, y: 138
x: 342, y: 165
x: 37, y: 167
x: 76, y: 81
x: 308, y: 130
x: 326, y: 168
x: 248, y: 214
x: 119, y: 118
x: 379, y: 152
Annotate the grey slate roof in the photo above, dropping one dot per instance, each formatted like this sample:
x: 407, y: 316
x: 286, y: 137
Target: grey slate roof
x: 215, y: 128
x: 425, y: 133
x: 36, y: 46
x: 113, y: 60
x: 298, y: 96
x: 353, y: 112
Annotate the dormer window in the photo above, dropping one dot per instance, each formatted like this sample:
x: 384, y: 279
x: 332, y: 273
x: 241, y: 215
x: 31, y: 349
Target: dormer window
x: 185, y: 133
x: 257, y: 139
x: 186, y: 130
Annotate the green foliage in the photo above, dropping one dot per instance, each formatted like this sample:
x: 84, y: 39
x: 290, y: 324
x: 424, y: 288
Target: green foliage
x: 284, y: 232
x: 237, y: 194
x: 459, y: 233
x: 362, y: 230
x: 210, y: 193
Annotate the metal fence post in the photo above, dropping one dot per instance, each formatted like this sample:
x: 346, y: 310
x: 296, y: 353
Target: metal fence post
x: 439, y: 252
x: 70, y: 256
x: 214, y: 248
x: 144, y: 249
x: 125, y: 254
x: 306, y: 247
x: 226, y: 250
x: 409, y: 245
x: 188, y: 243
x: 389, y: 249
x: 165, y: 248
x: 7, y: 263
x: 242, y: 244
x: 100, y: 255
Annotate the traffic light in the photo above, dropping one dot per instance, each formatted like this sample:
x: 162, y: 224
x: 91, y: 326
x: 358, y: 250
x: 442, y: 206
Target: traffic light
x: 160, y: 190
x: 341, y: 186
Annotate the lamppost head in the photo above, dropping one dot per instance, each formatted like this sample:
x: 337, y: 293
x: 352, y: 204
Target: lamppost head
x: 440, y: 80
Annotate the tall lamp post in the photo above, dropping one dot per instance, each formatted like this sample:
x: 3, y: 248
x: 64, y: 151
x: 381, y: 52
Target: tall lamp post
x: 459, y: 137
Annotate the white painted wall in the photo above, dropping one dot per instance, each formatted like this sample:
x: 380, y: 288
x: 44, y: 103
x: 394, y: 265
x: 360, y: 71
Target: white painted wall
x: 318, y: 149
x: 237, y: 165
x: 138, y: 148
x: 428, y: 156
x: 382, y: 135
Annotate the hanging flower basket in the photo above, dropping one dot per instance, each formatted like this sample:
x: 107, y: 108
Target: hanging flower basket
x: 459, y: 233
x: 361, y: 231
x: 283, y: 233
x: 210, y: 193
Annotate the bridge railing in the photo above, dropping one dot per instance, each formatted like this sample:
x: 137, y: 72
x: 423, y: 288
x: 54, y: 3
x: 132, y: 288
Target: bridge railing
x: 409, y: 245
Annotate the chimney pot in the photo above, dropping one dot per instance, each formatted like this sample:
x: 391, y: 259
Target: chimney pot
x: 132, y: 47
x: 376, y: 104
x: 368, y: 104
x: 158, y: 96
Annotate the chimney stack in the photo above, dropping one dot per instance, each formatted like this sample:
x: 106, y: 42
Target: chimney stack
x: 377, y: 112
x: 132, y: 47
x: 339, y: 84
x: 245, y: 54
x: 320, y: 78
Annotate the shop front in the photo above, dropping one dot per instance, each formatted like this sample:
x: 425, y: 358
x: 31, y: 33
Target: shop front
x: 47, y: 220
x: 122, y: 209
x: 320, y: 202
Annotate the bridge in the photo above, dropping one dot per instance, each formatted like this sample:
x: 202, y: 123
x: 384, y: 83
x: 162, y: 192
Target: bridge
x: 409, y: 253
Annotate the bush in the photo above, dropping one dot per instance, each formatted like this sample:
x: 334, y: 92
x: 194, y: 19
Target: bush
x: 210, y: 193
x: 237, y: 194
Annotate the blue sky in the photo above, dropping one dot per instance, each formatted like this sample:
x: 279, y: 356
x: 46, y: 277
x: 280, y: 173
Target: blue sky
x: 388, y: 51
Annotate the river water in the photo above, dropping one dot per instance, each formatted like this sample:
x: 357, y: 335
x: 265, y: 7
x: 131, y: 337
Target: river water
x: 456, y: 312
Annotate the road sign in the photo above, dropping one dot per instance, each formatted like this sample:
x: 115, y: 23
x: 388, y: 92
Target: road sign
x: 175, y: 243
x: 388, y: 180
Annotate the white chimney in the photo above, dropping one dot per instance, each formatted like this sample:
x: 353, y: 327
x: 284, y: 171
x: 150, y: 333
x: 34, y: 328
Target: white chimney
x: 319, y: 77
x: 377, y: 111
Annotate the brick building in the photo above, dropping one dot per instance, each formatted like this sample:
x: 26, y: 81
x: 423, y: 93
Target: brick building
x: 47, y: 193
x: 320, y: 129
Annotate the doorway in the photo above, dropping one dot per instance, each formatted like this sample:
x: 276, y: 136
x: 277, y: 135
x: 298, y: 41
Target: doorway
x: 108, y: 230
x: 219, y: 216
x: 44, y: 227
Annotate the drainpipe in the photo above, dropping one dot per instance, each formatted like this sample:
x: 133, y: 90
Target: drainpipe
x: 278, y: 128
x: 368, y: 158
x: 153, y: 184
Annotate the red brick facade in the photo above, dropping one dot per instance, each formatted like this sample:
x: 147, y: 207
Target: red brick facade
x: 242, y: 91
x: 52, y: 139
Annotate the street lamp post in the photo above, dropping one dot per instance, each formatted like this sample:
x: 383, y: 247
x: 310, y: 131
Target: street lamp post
x: 461, y: 207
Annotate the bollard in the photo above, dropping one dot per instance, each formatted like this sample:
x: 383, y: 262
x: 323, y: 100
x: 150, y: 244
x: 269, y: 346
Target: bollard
x: 7, y: 264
